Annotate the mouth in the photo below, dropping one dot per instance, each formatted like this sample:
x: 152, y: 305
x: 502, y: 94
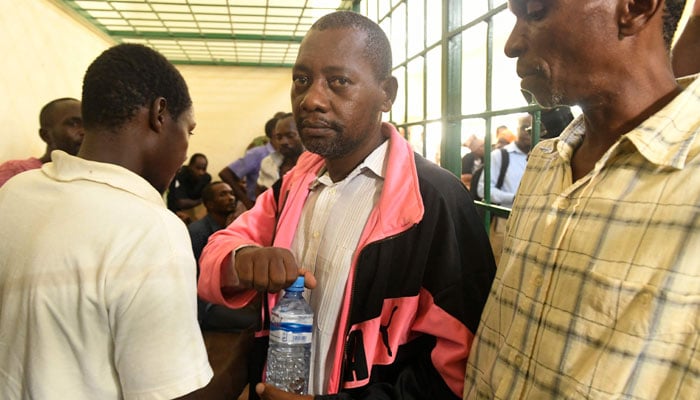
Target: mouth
x: 317, y: 128
x: 525, y: 70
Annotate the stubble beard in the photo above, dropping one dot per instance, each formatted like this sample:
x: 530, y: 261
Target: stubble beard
x: 331, y: 148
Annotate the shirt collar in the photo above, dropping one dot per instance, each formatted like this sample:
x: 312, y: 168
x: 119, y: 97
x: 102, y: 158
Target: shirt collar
x: 374, y: 163
x: 512, y: 147
x: 65, y: 167
x: 663, y: 139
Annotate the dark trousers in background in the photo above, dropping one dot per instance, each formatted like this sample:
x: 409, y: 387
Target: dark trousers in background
x: 228, y: 356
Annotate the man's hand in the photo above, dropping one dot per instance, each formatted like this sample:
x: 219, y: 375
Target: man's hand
x: 269, y: 269
x: 269, y: 392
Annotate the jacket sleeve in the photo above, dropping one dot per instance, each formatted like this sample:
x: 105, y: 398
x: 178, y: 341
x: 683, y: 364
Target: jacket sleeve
x: 254, y: 227
x: 457, y: 278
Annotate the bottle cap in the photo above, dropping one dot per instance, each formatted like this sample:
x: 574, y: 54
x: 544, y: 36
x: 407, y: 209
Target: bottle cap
x: 297, y: 286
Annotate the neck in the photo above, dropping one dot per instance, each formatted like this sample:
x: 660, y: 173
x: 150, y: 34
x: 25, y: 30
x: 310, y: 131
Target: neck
x: 605, y: 123
x: 46, y: 157
x: 339, y: 169
x: 635, y: 95
x: 219, y: 218
x: 101, y: 148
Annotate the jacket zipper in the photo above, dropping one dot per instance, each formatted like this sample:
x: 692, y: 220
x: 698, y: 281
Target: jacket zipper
x: 341, y: 378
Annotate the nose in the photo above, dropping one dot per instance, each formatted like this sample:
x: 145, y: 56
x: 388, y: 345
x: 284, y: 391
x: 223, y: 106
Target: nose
x: 515, y: 45
x: 315, y: 98
x: 80, y: 131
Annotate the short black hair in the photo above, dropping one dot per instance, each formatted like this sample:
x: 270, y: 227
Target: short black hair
x: 673, y: 9
x: 270, y: 126
x: 208, y: 191
x: 195, y: 156
x: 377, y: 46
x: 44, y: 114
x: 285, y: 115
x: 126, y: 77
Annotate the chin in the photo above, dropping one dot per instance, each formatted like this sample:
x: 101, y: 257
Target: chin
x: 545, y: 97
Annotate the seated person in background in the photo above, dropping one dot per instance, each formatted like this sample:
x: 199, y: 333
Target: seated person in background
x: 185, y: 191
x: 289, y: 147
x: 686, y: 52
x: 472, y: 160
x: 222, y: 208
x: 60, y: 126
x: 222, y: 326
x: 97, y: 276
x: 242, y: 174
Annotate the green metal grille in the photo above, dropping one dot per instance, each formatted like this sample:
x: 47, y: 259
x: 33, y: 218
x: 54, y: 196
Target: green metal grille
x: 209, y: 32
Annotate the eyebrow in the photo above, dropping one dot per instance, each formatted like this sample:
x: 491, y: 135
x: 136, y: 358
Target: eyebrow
x: 329, y: 70
x: 516, y: 6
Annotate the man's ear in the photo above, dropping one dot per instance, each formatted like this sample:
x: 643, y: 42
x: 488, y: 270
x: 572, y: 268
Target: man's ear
x: 634, y: 15
x: 389, y: 87
x: 156, y: 114
x: 44, y: 135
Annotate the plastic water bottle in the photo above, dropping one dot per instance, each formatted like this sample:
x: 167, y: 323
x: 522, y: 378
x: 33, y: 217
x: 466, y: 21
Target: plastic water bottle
x: 289, y: 354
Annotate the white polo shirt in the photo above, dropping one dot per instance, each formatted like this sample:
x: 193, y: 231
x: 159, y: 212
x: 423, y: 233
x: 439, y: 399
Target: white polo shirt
x: 97, y: 288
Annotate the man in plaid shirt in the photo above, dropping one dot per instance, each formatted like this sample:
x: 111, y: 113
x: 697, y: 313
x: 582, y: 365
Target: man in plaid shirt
x: 597, y: 294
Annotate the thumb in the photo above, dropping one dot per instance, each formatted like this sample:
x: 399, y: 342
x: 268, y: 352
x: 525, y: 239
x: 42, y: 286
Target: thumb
x: 309, y: 278
x: 260, y: 388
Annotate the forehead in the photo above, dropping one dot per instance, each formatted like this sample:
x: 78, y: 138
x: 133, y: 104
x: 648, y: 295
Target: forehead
x: 65, y: 108
x: 222, y: 187
x: 337, y: 48
x: 285, y: 124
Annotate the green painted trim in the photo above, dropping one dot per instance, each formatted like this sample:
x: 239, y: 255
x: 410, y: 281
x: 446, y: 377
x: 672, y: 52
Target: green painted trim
x: 231, y: 64
x: 204, y: 36
x: 450, y: 145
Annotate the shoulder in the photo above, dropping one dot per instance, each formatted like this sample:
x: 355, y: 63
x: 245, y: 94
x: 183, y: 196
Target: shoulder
x: 198, y: 226
x: 20, y: 165
x: 435, y: 180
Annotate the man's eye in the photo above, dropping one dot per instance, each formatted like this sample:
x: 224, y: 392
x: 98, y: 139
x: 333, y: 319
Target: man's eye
x: 339, y: 81
x: 300, y: 80
x: 534, y: 10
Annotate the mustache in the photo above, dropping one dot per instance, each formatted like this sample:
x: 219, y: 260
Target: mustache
x: 321, y: 123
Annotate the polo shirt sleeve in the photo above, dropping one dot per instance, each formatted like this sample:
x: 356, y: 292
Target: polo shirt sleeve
x: 158, y: 347
x: 242, y: 166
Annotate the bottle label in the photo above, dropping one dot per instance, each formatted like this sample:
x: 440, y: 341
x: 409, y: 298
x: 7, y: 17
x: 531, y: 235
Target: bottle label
x: 292, y: 330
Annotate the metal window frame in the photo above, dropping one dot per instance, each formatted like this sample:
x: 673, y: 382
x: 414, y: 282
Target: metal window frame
x: 451, y: 87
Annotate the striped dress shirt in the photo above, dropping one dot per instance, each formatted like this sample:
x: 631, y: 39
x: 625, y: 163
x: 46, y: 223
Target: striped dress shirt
x: 325, y: 242
x: 597, y: 294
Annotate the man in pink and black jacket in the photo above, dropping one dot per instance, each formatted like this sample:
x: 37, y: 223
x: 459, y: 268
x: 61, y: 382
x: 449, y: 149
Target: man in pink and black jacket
x: 398, y: 263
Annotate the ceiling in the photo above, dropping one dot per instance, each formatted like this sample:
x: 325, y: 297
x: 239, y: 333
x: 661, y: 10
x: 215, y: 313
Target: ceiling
x: 263, y: 33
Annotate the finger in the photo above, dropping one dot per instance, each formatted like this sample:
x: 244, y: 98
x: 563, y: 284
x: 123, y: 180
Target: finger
x: 260, y: 389
x: 244, y: 269
x: 309, y: 278
x: 277, y: 275
x: 261, y: 277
